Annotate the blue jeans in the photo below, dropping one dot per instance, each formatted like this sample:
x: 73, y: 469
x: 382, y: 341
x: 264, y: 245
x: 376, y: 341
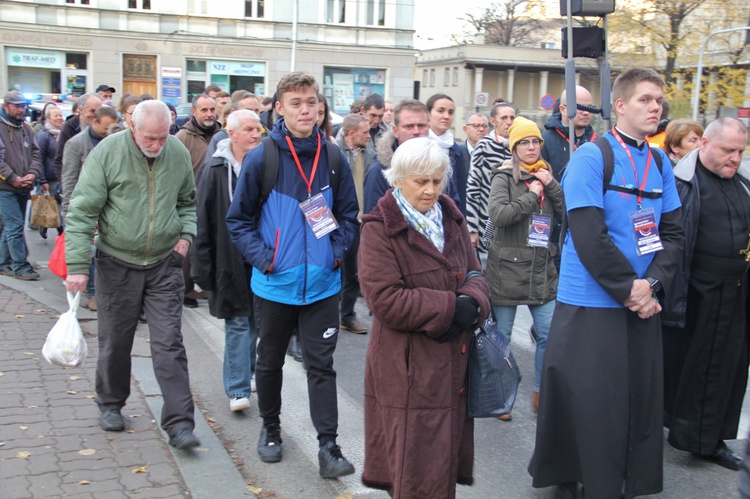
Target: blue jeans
x: 241, y: 340
x: 12, y: 241
x: 542, y: 316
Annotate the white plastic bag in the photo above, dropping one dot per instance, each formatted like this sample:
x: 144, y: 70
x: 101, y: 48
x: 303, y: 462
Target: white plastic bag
x: 65, y: 345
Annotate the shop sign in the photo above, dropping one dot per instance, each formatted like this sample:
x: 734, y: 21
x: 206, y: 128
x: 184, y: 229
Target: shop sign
x: 170, y: 92
x: 238, y: 68
x: 29, y: 58
x: 167, y: 72
x: 171, y: 82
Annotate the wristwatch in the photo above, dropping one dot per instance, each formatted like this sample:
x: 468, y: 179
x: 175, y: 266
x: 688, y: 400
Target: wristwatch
x: 656, y: 288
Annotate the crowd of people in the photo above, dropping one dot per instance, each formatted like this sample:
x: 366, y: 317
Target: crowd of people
x: 631, y: 257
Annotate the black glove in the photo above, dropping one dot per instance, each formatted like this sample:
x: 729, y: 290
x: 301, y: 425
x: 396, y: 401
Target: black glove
x: 467, y: 312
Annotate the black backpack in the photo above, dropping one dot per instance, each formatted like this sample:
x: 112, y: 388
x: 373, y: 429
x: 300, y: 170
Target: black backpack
x: 271, y: 169
x: 608, y: 155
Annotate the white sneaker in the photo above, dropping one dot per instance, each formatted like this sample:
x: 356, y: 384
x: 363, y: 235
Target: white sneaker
x: 239, y: 404
x: 252, y: 384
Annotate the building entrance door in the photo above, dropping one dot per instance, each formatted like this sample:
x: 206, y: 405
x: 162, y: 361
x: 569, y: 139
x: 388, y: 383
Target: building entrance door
x: 139, y: 74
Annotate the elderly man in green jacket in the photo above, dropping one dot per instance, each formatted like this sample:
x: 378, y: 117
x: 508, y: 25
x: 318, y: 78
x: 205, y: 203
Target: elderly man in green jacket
x: 139, y: 187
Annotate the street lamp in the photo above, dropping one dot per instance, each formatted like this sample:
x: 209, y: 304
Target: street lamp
x: 699, y: 69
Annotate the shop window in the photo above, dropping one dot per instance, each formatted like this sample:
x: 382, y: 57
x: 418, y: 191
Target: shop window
x: 75, y: 61
x: 255, y: 8
x: 342, y: 86
x: 336, y: 11
x: 196, y: 66
x: 376, y: 12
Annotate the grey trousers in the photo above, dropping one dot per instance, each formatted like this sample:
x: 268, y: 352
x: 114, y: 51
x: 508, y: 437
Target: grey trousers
x: 121, y: 290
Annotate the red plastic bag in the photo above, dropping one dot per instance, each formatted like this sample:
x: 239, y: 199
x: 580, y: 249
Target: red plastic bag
x: 57, y: 263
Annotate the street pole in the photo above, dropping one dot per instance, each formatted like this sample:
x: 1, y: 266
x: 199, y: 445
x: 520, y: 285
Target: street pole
x: 699, y: 69
x: 570, y: 84
x: 295, y: 11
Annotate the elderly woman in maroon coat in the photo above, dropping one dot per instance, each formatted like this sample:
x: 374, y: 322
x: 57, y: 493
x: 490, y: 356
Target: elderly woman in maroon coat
x: 421, y: 279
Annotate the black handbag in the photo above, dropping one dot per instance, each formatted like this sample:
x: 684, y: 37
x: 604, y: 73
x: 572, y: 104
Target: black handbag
x: 494, y: 375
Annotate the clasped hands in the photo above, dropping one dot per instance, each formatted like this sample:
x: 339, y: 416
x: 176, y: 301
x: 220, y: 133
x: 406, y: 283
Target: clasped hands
x: 642, y: 299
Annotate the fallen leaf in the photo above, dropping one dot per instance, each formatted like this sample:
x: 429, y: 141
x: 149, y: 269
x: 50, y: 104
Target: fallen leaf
x: 23, y: 454
x: 28, y: 353
x: 87, y: 452
x: 84, y: 482
x: 40, y: 436
x: 200, y: 449
x: 130, y: 431
x: 142, y: 469
x: 19, y: 316
x: 41, y: 310
x: 2, y: 373
x: 90, y: 396
x: 71, y: 392
x: 134, y: 416
x: 211, y: 420
x: 74, y: 378
x: 24, y: 427
x: 345, y: 496
x: 255, y: 490
x: 33, y: 407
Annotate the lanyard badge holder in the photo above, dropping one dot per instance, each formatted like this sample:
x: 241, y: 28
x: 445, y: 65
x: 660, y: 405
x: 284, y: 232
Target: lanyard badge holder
x: 540, y: 227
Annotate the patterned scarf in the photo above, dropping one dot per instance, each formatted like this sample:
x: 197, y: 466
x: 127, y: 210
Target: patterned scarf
x: 430, y: 224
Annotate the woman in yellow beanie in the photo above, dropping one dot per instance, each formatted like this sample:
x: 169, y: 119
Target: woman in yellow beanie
x: 525, y: 200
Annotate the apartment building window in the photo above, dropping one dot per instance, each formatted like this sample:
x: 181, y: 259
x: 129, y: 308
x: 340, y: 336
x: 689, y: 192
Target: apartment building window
x: 198, y: 7
x: 447, y: 77
x: 139, y: 4
x: 432, y: 77
x: 376, y: 12
x: 255, y: 8
x: 336, y: 11
x: 424, y: 77
x: 82, y: 2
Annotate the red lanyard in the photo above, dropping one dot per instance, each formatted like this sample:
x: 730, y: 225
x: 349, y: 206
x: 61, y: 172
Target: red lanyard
x: 299, y: 166
x: 541, y: 196
x: 593, y: 138
x: 630, y: 157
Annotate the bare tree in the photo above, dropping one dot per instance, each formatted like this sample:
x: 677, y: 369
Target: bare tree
x: 504, y: 23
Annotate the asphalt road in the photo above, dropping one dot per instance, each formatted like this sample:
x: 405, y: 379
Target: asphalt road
x: 503, y: 449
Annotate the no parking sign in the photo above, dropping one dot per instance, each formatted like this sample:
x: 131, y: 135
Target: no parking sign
x: 481, y: 99
x: 547, y: 102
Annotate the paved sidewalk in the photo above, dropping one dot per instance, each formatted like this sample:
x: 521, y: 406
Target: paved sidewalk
x: 50, y: 441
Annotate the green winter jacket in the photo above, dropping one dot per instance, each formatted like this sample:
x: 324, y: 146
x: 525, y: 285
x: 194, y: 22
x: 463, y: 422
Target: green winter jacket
x: 142, y: 210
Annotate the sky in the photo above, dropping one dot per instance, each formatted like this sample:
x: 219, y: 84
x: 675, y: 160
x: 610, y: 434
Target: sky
x: 436, y: 20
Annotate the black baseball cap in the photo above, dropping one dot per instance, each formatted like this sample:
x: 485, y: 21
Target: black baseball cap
x: 105, y: 87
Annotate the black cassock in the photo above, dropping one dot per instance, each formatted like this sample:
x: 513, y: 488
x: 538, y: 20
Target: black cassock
x: 706, y: 363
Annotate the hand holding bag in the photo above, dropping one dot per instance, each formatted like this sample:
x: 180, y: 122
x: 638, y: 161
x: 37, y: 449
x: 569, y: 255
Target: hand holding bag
x: 44, y: 211
x: 494, y: 375
x: 65, y: 345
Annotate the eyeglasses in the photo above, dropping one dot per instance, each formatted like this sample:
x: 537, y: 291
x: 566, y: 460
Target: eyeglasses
x: 477, y: 125
x: 527, y: 142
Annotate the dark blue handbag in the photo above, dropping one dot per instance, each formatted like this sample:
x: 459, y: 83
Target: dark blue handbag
x: 494, y: 375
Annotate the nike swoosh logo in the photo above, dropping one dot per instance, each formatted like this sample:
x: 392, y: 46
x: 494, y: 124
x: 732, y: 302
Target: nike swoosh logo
x: 330, y: 332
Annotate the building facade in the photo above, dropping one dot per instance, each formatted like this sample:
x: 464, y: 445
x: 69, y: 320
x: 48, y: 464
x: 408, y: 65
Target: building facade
x: 172, y: 49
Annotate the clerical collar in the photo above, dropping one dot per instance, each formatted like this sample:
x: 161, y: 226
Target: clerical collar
x: 631, y: 141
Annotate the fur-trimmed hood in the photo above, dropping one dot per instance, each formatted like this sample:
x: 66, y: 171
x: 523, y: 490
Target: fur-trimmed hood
x: 385, y: 148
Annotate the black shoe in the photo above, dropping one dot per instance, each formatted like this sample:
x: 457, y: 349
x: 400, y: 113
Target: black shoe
x: 184, y: 439
x: 726, y: 457
x: 190, y: 303
x: 43, y: 232
x: 111, y: 420
x: 294, y: 349
x: 269, y: 444
x: 332, y: 463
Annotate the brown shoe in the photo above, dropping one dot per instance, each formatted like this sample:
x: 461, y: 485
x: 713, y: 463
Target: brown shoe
x: 534, y: 402
x: 90, y: 304
x: 354, y: 326
x: 506, y: 417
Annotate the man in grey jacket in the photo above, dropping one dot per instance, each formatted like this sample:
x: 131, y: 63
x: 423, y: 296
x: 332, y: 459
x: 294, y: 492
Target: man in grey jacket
x: 18, y: 172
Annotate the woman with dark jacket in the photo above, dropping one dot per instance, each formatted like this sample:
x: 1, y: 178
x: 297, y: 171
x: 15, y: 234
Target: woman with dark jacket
x: 421, y: 279
x: 52, y: 122
x: 441, y: 111
x: 525, y: 200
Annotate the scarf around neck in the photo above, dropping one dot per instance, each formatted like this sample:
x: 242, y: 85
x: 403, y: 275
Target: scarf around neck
x: 11, y: 121
x: 429, y: 224
x: 51, y: 129
x: 539, y: 165
x: 445, y: 141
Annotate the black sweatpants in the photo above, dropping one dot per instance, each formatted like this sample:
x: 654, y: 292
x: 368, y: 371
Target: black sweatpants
x: 318, y: 325
x: 121, y: 290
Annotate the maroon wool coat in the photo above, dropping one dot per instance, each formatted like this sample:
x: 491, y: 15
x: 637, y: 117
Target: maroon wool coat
x: 419, y: 440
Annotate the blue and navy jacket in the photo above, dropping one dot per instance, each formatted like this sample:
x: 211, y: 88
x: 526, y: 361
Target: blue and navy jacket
x: 290, y: 265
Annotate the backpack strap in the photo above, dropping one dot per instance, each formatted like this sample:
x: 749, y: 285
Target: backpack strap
x: 609, y: 169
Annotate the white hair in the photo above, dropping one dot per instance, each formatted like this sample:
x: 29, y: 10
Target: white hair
x: 155, y: 110
x: 235, y: 119
x: 418, y: 156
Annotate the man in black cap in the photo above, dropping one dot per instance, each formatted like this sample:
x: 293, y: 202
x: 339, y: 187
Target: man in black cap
x: 105, y: 92
x: 18, y: 172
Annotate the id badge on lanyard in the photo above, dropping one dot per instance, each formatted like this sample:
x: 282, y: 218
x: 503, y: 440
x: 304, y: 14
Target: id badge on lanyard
x: 539, y: 230
x: 318, y: 215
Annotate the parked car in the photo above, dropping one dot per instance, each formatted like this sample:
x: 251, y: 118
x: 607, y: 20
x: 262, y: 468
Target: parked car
x: 35, y: 108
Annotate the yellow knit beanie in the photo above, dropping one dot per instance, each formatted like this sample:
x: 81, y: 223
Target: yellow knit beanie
x: 522, y: 128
